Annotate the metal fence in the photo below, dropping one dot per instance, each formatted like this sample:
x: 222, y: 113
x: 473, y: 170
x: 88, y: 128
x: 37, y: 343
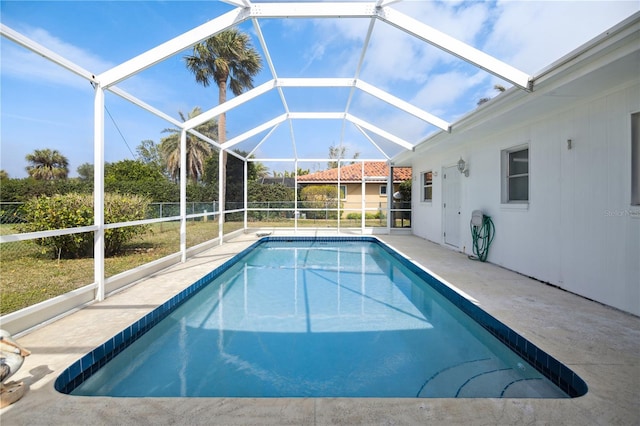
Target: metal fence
x: 11, y: 213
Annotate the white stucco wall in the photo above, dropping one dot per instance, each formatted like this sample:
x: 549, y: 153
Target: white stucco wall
x: 580, y: 231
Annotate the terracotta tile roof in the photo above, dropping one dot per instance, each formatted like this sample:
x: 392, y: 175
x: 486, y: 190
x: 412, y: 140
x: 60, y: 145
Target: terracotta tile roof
x: 352, y: 173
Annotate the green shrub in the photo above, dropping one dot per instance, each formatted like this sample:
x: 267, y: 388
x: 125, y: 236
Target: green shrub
x: 75, y: 210
x: 263, y: 195
x: 368, y: 216
x: 321, y: 197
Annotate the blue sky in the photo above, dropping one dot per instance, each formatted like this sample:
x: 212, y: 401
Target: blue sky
x: 44, y: 106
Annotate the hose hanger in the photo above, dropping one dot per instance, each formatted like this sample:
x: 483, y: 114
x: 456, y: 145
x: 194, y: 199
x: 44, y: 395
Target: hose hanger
x: 482, y: 232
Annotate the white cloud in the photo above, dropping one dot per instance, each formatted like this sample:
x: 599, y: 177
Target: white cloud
x: 20, y: 63
x: 444, y: 90
x: 24, y: 64
x: 462, y: 20
x: 532, y: 35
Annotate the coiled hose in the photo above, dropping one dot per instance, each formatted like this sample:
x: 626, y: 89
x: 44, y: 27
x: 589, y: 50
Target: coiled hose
x: 482, y: 238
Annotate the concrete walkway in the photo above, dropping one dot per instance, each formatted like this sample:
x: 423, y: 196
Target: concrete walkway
x: 599, y: 343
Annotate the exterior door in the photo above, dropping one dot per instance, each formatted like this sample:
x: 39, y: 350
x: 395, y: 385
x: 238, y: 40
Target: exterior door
x: 451, y: 205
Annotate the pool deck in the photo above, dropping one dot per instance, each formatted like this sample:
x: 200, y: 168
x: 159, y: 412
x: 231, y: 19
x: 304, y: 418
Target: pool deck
x: 599, y: 343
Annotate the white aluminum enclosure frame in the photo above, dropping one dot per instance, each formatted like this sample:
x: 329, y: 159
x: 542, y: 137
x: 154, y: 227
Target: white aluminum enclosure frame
x: 246, y: 10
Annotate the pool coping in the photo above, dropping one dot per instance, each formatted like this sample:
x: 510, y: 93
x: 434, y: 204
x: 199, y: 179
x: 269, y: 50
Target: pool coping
x: 604, y: 352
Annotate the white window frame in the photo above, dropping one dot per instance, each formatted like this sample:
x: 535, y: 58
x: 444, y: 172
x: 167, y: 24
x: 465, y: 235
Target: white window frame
x: 424, y: 185
x: 382, y: 193
x: 506, y: 176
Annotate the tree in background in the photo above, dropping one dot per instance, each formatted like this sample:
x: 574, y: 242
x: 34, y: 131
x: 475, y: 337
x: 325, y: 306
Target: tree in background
x: 4, y: 174
x: 149, y: 153
x: 234, y: 184
x: 85, y: 171
x: 405, y: 190
x: 47, y: 164
x: 227, y: 59
x: 339, y: 153
x: 136, y: 177
x: 130, y: 171
x: 198, y: 151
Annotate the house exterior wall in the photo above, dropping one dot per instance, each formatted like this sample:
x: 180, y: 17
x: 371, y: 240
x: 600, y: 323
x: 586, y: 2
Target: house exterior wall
x: 579, y: 230
x: 373, y: 199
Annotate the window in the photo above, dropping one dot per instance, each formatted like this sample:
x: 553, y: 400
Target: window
x: 427, y: 186
x: 383, y: 190
x: 343, y: 192
x: 515, y: 172
x: 635, y: 159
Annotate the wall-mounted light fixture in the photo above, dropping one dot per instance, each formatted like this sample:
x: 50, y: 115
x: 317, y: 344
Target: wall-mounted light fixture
x: 462, y: 167
x: 569, y: 144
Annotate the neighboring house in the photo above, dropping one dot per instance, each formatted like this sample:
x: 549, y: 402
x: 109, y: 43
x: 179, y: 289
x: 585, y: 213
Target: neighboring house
x: 557, y: 170
x: 376, y: 177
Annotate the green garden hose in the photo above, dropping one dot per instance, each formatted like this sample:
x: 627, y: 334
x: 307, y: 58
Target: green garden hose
x: 482, y: 238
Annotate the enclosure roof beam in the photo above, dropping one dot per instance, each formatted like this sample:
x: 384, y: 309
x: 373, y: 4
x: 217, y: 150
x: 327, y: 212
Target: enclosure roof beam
x: 379, y: 132
x: 455, y: 47
x: 401, y: 21
x: 403, y: 105
x: 316, y: 82
x: 384, y: 154
x: 145, y: 106
x: 256, y: 130
x: 239, y: 3
x: 382, y: 3
x: 171, y: 47
x: 204, y: 138
x: 314, y: 10
x: 273, y: 129
x: 316, y: 115
x: 39, y: 49
x: 228, y: 105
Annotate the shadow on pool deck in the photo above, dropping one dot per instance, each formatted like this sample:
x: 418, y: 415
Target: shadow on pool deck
x: 599, y: 343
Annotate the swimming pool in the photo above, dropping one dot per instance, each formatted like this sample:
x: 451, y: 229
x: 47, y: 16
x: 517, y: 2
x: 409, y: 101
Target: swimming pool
x: 319, y: 317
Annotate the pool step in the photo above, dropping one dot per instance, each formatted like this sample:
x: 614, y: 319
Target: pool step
x: 486, y: 377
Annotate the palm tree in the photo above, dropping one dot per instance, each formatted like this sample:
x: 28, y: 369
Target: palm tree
x: 229, y: 60
x: 498, y: 87
x: 47, y: 165
x: 260, y: 169
x: 197, y: 150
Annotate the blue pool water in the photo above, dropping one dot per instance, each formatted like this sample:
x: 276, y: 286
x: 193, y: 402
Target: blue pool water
x: 319, y: 318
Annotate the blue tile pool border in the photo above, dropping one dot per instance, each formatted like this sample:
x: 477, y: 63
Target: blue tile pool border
x: 555, y: 371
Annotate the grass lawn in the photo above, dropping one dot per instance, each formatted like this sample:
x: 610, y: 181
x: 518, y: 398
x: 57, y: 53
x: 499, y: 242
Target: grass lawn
x: 29, y: 275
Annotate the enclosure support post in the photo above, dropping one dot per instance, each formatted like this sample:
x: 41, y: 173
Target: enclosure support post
x: 295, y: 196
x: 246, y: 191
x: 183, y: 195
x: 98, y: 192
x: 390, y: 213
x: 362, y: 204
x: 339, y: 196
x: 220, y: 198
